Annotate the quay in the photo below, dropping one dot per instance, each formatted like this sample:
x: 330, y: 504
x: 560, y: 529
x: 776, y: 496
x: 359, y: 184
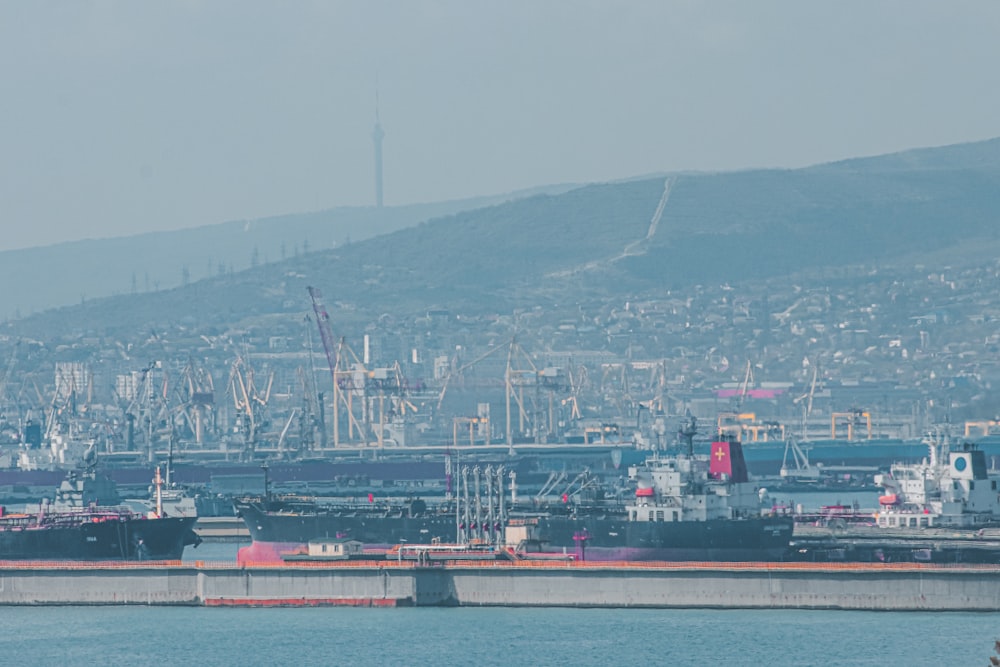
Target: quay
x: 391, y: 583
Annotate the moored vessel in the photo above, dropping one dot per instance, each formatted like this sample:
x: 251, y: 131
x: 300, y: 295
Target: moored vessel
x: 945, y: 509
x: 83, y: 523
x: 680, y: 507
x: 951, y: 488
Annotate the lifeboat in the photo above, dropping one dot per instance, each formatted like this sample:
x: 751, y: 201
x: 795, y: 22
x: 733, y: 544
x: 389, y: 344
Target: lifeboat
x: 644, y: 493
x: 888, y: 499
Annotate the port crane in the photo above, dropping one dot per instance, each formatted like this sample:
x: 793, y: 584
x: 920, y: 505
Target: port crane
x: 519, y: 372
x: 7, y: 372
x: 361, y: 382
x: 745, y: 386
x: 147, y: 405
x: 808, y: 398
x: 326, y: 335
x: 313, y: 419
x: 854, y: 419
x: 197, y: 400
x: 515, y: 380
x: 457, y: 372
x: 250, y: 403
x: 478, y: 424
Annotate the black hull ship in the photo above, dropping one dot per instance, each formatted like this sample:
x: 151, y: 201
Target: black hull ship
x: 78, y: 527
x: 94, y: 535
x: 682, y: 507
x: 599, y: 537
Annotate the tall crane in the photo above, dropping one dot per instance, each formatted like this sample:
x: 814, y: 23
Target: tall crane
x: 808, y: 398
x: 250, y: 403
x: 458, y: 372
x: 745, y: 386
x: 8, y: 370
x: 326, y: 334
x: 313, y: 414
x: 196, y: 393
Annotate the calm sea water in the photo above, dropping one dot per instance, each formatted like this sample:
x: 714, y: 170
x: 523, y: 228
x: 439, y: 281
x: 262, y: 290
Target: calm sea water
x: 165, y: 636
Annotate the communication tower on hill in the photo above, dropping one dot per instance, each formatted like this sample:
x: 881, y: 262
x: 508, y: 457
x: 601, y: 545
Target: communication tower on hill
x: 377, y: 136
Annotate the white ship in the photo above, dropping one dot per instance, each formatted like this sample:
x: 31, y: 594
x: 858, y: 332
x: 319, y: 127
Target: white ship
x: 952, y: 488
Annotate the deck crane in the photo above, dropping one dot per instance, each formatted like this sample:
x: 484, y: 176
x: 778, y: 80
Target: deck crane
x: 326, y: 334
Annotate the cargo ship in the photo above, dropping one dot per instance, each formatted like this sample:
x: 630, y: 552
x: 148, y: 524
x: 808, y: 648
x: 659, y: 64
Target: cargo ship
x: 82, y: 524
x: 945, y: 509
x: 951, y: 488
x: 678, y: 507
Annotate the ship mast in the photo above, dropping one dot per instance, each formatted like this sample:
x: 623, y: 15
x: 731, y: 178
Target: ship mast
x: 158, y: 482
x: 687, y: 431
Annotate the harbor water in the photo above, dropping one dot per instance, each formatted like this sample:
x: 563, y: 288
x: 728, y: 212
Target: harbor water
x: 186, y: 636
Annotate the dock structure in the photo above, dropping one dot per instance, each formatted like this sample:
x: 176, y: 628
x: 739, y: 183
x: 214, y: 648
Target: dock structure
x: 222, y: 529
x: 389, y: 583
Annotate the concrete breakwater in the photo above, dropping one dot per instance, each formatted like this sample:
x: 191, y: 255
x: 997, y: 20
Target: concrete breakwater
x: 895, y: 587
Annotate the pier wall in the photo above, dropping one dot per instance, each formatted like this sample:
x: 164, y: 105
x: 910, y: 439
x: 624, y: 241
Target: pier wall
x: 893, y: 587
x: 292, y: 586
x: 714, y: 586
x: 75, y: 584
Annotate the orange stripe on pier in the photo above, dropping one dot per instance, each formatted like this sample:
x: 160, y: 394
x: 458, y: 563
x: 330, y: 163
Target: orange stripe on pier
x: 526, y: 564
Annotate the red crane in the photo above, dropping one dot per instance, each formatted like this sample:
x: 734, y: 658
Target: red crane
x: 326, y: 333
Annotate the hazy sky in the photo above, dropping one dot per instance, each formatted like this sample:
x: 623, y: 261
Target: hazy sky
x: 122, y: 117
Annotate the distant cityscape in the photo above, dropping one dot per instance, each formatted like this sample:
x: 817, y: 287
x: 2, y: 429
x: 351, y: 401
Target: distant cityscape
x: 854, y: 353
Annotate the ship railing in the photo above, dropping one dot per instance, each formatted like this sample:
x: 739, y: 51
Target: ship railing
x: 97, y: 510
x: 86, y: 516
x: 550, y: 564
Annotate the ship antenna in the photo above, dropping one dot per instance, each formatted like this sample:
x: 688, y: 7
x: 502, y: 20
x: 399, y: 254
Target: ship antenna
x: 689, y: 428
x: 170, y: 453
x: 159, y: 493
